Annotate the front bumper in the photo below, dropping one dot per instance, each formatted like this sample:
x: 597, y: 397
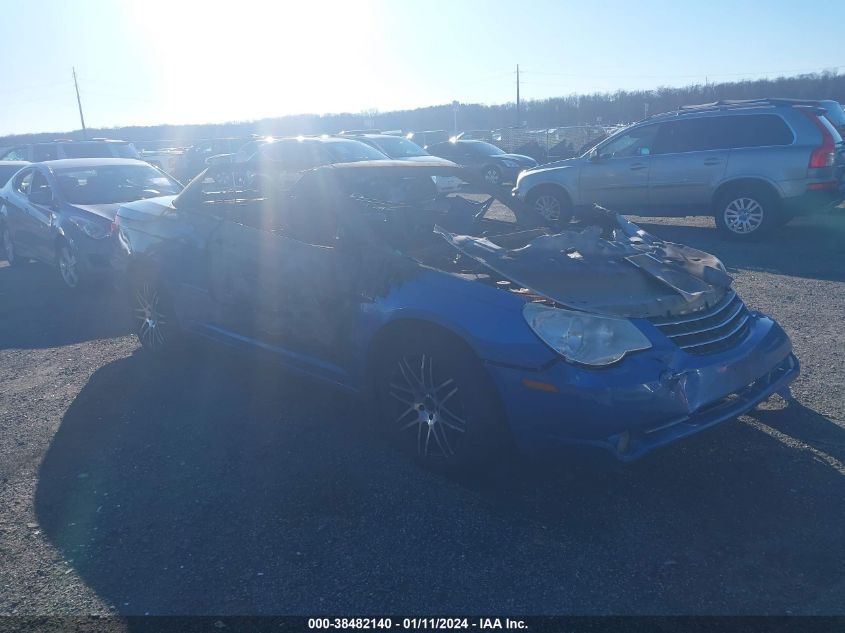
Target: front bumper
x: 650, y: 399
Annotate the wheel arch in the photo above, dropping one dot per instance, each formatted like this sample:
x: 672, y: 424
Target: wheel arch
x: 745, y: 182
x: 394, y: 331
x: 548, y: 187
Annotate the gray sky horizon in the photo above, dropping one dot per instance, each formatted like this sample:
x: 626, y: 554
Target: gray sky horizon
x: 154, y: 62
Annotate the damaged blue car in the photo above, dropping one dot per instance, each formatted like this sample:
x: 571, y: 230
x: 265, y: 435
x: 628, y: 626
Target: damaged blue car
x: 468, y: 321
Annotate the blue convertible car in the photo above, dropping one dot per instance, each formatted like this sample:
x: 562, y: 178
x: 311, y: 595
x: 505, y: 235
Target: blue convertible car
x: 470, y: 323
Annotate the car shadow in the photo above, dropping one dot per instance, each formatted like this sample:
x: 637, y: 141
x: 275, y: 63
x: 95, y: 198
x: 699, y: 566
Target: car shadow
x: 809, y: 246
x: 219, y: 485
x: 38, y: 311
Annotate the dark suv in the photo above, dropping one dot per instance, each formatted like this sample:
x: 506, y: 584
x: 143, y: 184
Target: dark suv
x: 752, y: 165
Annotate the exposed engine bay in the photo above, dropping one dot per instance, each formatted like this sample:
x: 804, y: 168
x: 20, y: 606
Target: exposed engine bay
x: 603, y: 264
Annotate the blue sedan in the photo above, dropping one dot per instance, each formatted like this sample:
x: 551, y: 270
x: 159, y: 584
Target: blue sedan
x: 472, y: 327
x: 60, y: 212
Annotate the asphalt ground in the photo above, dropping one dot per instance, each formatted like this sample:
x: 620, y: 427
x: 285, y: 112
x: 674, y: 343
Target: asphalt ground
x: 224, y: 486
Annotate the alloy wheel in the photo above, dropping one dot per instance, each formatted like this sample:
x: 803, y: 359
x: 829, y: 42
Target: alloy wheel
x: 432, y: 417
x: 8, y: 246
x: 743, y: 215
x: 548, y: 206
x: 68, y: 267
x: 149, y: 317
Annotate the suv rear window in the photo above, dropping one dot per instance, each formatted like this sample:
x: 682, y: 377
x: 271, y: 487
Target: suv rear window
x: 756, y: 130
x: 722, y: 132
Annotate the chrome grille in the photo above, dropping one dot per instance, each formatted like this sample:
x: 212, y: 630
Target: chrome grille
x: 709, y: 330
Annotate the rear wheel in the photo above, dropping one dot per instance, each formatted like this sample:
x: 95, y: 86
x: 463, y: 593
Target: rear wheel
x: 153, y: 318
x: 746, y: 213
x: 438, y: 405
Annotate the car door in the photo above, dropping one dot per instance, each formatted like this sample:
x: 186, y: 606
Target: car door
x: 689, y: 159
x: 17, y: 218
x: 275, y: 276
x: 616, y: 175
x: 41, y: 216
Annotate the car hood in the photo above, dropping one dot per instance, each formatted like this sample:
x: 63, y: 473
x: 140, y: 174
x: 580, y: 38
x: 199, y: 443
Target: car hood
x: 517, y: 158
x: 428, y: 160
x: 627, y: 273
x: 146, y: 209
x: 106, y: 211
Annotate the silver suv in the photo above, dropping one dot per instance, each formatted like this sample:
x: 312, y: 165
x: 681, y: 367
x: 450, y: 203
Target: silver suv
x: 751, y: 164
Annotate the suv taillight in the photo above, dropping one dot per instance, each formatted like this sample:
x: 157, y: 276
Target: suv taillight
x: 825, y: 154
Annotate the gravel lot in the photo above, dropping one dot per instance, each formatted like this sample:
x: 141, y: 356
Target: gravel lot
x: 229, y: 487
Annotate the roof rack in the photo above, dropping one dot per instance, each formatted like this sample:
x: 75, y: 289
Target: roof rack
x: 731, y: 104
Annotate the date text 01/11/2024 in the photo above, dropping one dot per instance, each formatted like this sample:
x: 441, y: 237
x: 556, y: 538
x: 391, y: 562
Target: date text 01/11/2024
x: 416, y: 623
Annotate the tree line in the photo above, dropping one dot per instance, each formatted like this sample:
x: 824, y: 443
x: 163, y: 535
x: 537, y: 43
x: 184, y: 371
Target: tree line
x: 622, y: 106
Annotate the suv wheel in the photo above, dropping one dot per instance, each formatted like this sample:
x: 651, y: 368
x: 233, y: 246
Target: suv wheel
x: 552, y: 204
x: 746, y: 213
x: 437, y: 403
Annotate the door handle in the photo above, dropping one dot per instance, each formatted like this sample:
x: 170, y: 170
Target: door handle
x: 637, y: 166
x: 712, y: 161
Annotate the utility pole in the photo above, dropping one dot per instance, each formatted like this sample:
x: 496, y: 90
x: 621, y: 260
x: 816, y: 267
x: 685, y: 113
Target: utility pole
x: 79, y: 103
x: 518, y: 117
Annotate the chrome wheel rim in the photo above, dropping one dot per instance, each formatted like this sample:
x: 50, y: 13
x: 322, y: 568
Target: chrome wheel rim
x: 491, y: 176
x: 743, y: 215
x: 548, y: 206
x: 68, y: 267
x: 432, y: 415
x: 8, y: 247
x: 149, y: 317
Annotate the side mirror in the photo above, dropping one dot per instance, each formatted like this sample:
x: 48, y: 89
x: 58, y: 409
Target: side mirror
x: 43, y: 197
x: 594, y: 156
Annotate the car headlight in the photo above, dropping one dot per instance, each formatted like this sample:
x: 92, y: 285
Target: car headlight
x: 584, y: 338
x: 510, y: 163
x: 94, y: 230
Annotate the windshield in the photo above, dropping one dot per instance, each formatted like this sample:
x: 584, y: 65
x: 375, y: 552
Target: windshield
x: 399, y: 147
x: 484, y: 149
x: 106, y: 184
x: 342, y: 151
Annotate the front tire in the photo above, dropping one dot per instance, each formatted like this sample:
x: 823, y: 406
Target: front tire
x: 438, y: 405
x: 552, y: 204
x: 746, y: 213
x: 8, y: 246
x: 68, y: 266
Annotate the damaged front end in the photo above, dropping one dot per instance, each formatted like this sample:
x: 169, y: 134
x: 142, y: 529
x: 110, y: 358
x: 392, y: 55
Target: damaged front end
x: 609, y: 290
x: 611, y: 267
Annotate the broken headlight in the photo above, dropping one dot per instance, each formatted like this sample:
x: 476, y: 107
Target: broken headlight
x: 584, y: 338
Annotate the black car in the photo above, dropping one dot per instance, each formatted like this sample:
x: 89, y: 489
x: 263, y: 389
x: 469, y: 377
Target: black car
x: 492, y: 163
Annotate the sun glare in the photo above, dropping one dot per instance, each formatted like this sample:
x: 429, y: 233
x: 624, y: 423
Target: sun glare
x: 275, y: 58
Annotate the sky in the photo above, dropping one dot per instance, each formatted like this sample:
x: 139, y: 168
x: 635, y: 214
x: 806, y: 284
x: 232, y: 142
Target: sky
x: 145, y: 62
